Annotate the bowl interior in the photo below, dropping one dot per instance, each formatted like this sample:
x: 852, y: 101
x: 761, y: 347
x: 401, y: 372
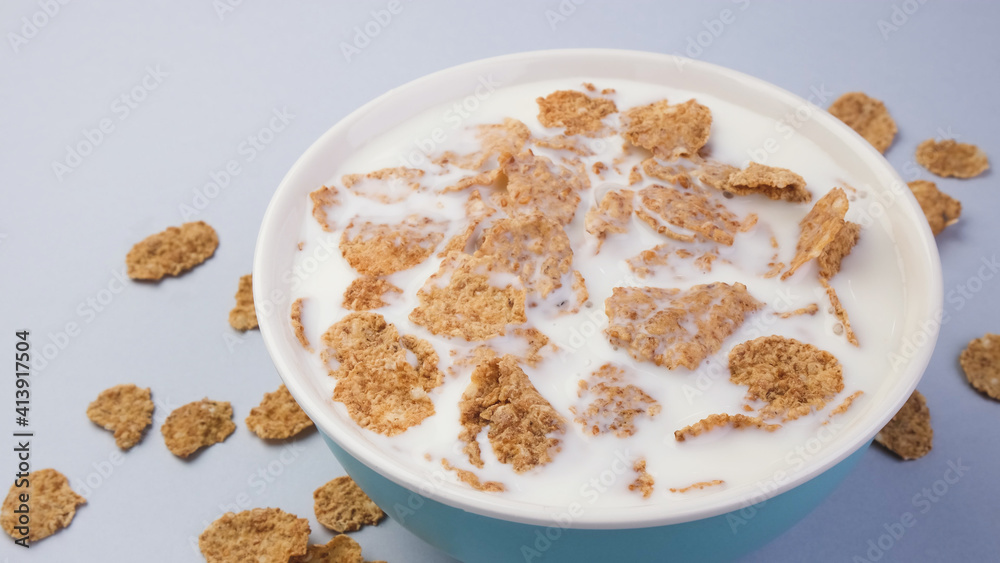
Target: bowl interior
x: 893, y: 207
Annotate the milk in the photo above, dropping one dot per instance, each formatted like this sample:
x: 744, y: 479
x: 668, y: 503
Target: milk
x: 594, y: 471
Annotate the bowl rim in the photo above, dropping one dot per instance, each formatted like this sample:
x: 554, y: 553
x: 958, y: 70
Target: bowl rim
x: 479, y: 503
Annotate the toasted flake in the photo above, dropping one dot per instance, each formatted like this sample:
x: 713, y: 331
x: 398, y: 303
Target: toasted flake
x: 612, y: 215
x: 496, y: 139
x: 381, y: 389
x: 576, y: 111
x: 126, y: 410
x: 830, y: 258
x: 981, y: 363
x: 521, y: 422
x: 773, y: 182
x: 846, y: 403
x: 698, y: 486
x: 810, y: 309
x: 792, y: 377
x: 278, y: 416
x: 669, y: 131
x: 537, y: 185
x: 909, y: 434
x: 467, y: 304
x: 297, y: 327
x: 51, y: 504
x: 471, y: 479
x: 388, y: 185
x: 819, y: 228
x: 941, y: 209
x: 244, y: 315
x: 172, y: 252
x: 692, y: 210
x: 666, y: 254
x: 564, y: 143
x: 366, y: 293
x: 323, y: 198
x: 261, y: 535
x: 340, y: 549
x: 867, y: 116
x: 614, y: 408
x: 737, y: 421
x: 839, y: 311
x: 644, y: 481
x: 673, y: 327
x: 716, y: 175
x: 197, y: 425
x: 377, y: 249
x: 950, y: 158
x: 342, y: 506
x: 672, y: 173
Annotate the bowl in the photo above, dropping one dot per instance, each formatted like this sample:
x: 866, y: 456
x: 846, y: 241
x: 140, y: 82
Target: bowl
x: 472, y: 526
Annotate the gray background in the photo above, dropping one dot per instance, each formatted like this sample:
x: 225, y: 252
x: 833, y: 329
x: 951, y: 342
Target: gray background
x: 63, y: 239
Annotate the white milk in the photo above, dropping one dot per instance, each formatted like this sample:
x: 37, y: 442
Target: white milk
x: 595, y: 470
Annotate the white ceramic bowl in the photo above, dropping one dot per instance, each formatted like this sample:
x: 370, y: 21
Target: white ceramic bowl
x: 281, y: 228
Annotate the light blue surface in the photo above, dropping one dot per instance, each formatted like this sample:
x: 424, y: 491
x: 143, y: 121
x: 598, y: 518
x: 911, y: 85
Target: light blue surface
x: 479, y: 539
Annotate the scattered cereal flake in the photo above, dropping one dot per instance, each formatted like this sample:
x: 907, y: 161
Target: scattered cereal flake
x: 599, y: 168
x: 535, y: 340
x: 771, y: 181
x: 321, y: 199
x: 261, y: 535
x: 340, y: 549
x: 278, y: 416
x: 381, y: 389
x: 981, y: 363
x: 536, y: 184
x: 674, y: 174
x: 376, y: 249
x: 244, y: 315
x: 476, y: 211
x: 830, y: 258
x: 819, y: 228
x: 563, y: 143
x: 941, y: 209
x: 520, y: 420
x: 495, y: 140
x: 840, y: 311
x: 487, y: 178
x: 909, y: 434
x: 126, y: 410
x: 643, y: 481
x: 297, y: 327
x: 576, y: 111
x: 669, y: 131
x: 342, y: 506
x: 197, y: 425
x: 846, y: 403
x: 810, y: 309
x: 471, y: 479
x: 634, y: 176
x: 674, y: 327
x: 172, y: 252
x: 949, y: 158
x: 367, y: 293
x: 716, y: 175
x: 51, y: 502
x: 468, y: 305
x: 867, y: 116
x: 614, y: 407
x: 612, y: 215
x: 699, y: 486
x: 737, y: 421
x: 791, y: 376
x: 388, y: 185
x: 693, y: 210
x: 660, y: 255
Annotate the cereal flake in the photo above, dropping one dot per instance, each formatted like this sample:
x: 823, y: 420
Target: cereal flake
x: 376, y: 249
x: 261, y: 535
x: 126, y: 410
x: 342, y: 506
x: 940, y: 209
x: 819, y: 228
x: 172, y: 252
x: 981, y: 363
x: 278, y: 416
x: 51, y: 502
x: 471, y: 479
x: 614, y: 408
x: 867, y: 116
x: 909, y: 434
x: 297, y: 327
x: 771, y: 181
x: 644, y: 481
x: 366, y: 293
x: 243, y: 316
x: 576, y: 111
x: 327, y: 196
x: 612, y: 215
x: 669, y: 131
x: 737, y: 421
x: 197, y: 425
x: 388, y: 185
x: 950, y: 158
x: 692, y: 210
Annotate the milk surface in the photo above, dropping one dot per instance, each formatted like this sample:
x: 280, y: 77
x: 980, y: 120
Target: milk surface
x: 594, y: 471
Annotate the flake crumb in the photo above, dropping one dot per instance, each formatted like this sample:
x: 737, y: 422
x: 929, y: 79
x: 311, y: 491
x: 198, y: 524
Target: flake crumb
x: 243, y: 316
x: 342, y: 506
x: 644, y: 481
x: 810, y: 309
x: 471, y: 479
x: 278, y: 416
x: 325, y: 197
x: 840, y: 312
x: 171, y: 252
x: 909, y: 434
x: 388, y: 185
x: 737, y: 421
x: 699, y: 486
x: 614, y: 408
x: 846, y: 403
x: 297, y: 327
x: 612, y: 215
x: 126, y: 410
